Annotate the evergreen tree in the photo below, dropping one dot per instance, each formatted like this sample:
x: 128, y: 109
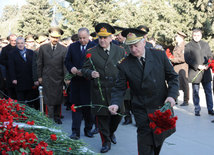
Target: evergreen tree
x: 36, y: 17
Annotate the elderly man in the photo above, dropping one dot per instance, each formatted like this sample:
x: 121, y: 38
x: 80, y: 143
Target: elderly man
x: 104, y: 57
x: 149, y: 91
x: 4, y: 61
x: 80, y: 86
x: 20, y: 70
x: 197, y: 53
x: 51, y: 71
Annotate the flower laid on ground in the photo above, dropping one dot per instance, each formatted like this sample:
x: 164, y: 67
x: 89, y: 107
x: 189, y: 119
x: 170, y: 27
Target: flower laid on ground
x: 24, y: 130
x: 88, y: 56
x: 30, y: 123
x: 162, y: 120
x: 73, y: 107
x: 53, y: 137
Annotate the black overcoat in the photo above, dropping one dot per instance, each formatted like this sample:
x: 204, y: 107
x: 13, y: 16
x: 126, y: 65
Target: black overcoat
x: 198, y: 53
x: 149, y: 88
x: 21, y: 70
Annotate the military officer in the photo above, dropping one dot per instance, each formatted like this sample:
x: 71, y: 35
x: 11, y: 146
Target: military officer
x: 104, y: 57
x: 127, y: 102
x: 149, y: 91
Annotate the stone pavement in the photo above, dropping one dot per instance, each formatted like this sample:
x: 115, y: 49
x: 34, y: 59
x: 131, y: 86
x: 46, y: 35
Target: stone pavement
x: 194, y: 135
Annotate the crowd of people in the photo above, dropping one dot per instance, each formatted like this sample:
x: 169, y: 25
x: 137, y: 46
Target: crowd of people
x: 125, y: 73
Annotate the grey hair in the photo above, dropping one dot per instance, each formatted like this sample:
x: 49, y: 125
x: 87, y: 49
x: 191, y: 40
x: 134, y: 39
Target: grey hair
x: 83, y: 29
x: 20, y: 38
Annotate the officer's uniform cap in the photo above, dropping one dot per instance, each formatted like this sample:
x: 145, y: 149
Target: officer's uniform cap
x: 133, y: 35
x: 104, y: 29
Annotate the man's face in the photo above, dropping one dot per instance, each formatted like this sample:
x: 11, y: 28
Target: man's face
x: 83, y: 37
x: 54, y: 40
x: 20, y: 44
x: 29, y: 44
x: 120, y: 38
x: 197, y: 36
x: 104, y: 42
x: 13, y: 40
x: 138, y: 48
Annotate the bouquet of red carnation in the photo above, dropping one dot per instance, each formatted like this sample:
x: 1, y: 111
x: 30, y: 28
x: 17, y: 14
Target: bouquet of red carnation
x: 162, y: 119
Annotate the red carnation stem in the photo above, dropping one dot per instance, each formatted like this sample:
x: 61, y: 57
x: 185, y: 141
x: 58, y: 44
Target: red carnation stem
x: 73, y: 107
x: 98, y: 81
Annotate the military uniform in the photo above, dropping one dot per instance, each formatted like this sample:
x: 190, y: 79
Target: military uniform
x: 105, y: 64
x: 148, y: 90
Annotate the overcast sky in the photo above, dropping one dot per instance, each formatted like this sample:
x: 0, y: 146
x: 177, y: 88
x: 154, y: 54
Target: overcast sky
x: 10, y: 2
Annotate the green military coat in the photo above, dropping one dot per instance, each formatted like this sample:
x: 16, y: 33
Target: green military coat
x: 106, y: 65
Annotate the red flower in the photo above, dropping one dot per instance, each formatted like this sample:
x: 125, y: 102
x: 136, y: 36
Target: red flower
x: 30, y: 123
x: 162, y: 120
x: 73, y: 108
x: 152, y: 125
x: 88, y: 55
x: 53, y: 137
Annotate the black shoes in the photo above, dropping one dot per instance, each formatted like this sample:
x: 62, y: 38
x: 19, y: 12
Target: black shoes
x: 88, y: 133
x: 211, y: 112
x: 197, y: 113
x: 127, y: 121
x: 75, y: 136
x: 184, y: 104
x: 212, y: 121
x: 106, y: 147
x: 57, y: 121
x: 113, y: 139
x: 95, y: 131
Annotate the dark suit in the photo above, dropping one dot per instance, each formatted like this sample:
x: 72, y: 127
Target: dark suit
x: 149, y: 91
x: 4, y: 61
x: 198, y: 53
x: 80, y: 87
x: 106, y: 66
x: 21, y: 70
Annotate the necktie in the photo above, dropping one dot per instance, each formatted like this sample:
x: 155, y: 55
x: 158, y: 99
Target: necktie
x: 142, y: 59
x: 54, y: 47
x: 83, y: 49
x: 107, y: 52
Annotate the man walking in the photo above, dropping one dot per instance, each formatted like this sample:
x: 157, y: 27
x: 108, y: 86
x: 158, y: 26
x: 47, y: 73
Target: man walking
x: 80, y: 86
x: 149, y: 91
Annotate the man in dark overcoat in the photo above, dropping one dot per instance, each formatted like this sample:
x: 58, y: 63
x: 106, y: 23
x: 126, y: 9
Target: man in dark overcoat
x: 127, y: 97
x: 51, y: 71
x: 152, y: 81
x: 20, y: 70
x: 80, y: 86
x: 104, y: 57
x: 180, y: 66
x: 11, y: 92
x: 197, y: 53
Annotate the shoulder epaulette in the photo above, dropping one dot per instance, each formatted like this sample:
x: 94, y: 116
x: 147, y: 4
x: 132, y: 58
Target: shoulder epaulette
x: 91, y: 48
x: 122, y: 60
x: 157, y: 48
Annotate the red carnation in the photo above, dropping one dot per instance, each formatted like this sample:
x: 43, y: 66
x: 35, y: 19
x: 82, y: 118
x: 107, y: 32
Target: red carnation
x: 53, y: 137
x: 73, y: 108
x: 162, y: 120
x: 30, y: 123
x: 88, y: 55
